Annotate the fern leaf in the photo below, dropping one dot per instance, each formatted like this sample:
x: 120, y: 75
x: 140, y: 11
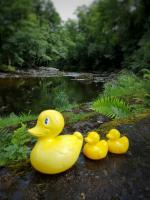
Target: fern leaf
x: 112, y: 107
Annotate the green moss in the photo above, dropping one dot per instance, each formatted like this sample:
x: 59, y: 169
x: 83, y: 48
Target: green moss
x: 20, y: 167
x: 71, y: 117
x: 104, y: 128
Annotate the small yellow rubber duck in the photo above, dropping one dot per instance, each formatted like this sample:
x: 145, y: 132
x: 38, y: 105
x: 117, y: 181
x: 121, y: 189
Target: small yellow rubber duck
x: 53, y: 154
x: 115, y: 143
x: 95, y: 148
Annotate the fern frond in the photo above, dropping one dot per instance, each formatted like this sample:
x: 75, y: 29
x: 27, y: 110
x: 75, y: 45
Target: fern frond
x: 112, y: 107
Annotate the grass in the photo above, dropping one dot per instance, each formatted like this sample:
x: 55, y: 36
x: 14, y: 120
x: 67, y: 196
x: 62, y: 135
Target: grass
x: 13, y: 119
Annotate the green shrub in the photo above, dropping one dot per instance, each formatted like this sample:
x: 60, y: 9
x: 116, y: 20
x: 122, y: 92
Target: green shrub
x: 56, y: 95
x: 13, y: 147
x: 60, y: 99
x: 127, y: 86
x: 140, y: 59
x: 127, y: 89
x: 146, y: 74
x: 7, y: 68
x: 60, y: 96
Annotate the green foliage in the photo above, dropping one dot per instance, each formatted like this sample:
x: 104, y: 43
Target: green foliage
x: 127, y: 89
x: 20, y: 136
x: 13, y: 147
x: 112, y: 107
x: 140, y: 58
x: 60, y: 98
x: 31, y: 52
x: 56, y: 94
x: 15, y: 120
x: 108, y: 34
x: 46, y: 12
x: 146, y: 73
x: 7, y: 68
x: 146, y: 77
x: 26, y: 30
x: 111, y: 33
x: 127, y: 86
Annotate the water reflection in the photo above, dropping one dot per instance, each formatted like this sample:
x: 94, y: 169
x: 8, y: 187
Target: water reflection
x: 35, y: 94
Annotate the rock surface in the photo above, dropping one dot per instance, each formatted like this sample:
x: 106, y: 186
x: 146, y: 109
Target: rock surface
x: 40, y: 72
x: 43, y: 72
x: 124, y: 177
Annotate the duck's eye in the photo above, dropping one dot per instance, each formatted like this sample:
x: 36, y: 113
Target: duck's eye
x: 46, y: 121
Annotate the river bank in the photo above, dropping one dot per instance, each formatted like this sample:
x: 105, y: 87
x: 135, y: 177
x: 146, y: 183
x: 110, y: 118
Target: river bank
x: 43, y: 72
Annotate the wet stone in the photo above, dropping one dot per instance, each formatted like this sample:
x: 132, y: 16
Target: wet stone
x: 117, y: 177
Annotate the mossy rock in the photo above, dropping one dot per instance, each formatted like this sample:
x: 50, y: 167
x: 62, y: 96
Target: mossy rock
x: 105, y: 127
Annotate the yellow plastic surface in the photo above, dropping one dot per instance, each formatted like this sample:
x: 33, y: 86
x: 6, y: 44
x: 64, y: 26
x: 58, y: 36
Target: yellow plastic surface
x: 53, y: 154
x: 95, y: 148
x: 117, y: 144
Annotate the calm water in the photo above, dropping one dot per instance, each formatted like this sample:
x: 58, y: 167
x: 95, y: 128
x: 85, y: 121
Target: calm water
x: 20, y: 95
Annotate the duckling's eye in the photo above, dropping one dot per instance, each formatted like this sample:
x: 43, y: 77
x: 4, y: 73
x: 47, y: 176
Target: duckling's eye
x: 46, y: 121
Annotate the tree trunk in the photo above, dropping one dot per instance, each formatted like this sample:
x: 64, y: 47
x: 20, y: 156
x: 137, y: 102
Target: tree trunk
x: 9, y: 61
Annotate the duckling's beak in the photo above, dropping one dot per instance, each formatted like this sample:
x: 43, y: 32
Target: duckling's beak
x: 88, y: 140
x: 108, y: 135
x: 36, y: 131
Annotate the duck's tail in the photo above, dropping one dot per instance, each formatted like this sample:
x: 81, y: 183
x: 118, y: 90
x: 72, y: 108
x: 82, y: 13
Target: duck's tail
x: 78, y: 135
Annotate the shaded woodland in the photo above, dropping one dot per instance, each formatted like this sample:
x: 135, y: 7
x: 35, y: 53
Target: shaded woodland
x: 107, y: 35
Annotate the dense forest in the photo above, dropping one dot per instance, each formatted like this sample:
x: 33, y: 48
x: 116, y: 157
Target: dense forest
x: 107, y: 35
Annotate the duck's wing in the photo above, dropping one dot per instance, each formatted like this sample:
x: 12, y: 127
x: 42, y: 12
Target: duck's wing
x: 124, y: 140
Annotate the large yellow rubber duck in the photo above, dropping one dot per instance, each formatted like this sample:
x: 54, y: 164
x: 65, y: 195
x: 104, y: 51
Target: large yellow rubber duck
x: 53, y: 154
x: 95, y: 148
x: 117, y: 144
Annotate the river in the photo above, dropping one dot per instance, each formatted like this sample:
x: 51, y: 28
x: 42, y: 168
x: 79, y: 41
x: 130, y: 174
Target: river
x: 24, y: 94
